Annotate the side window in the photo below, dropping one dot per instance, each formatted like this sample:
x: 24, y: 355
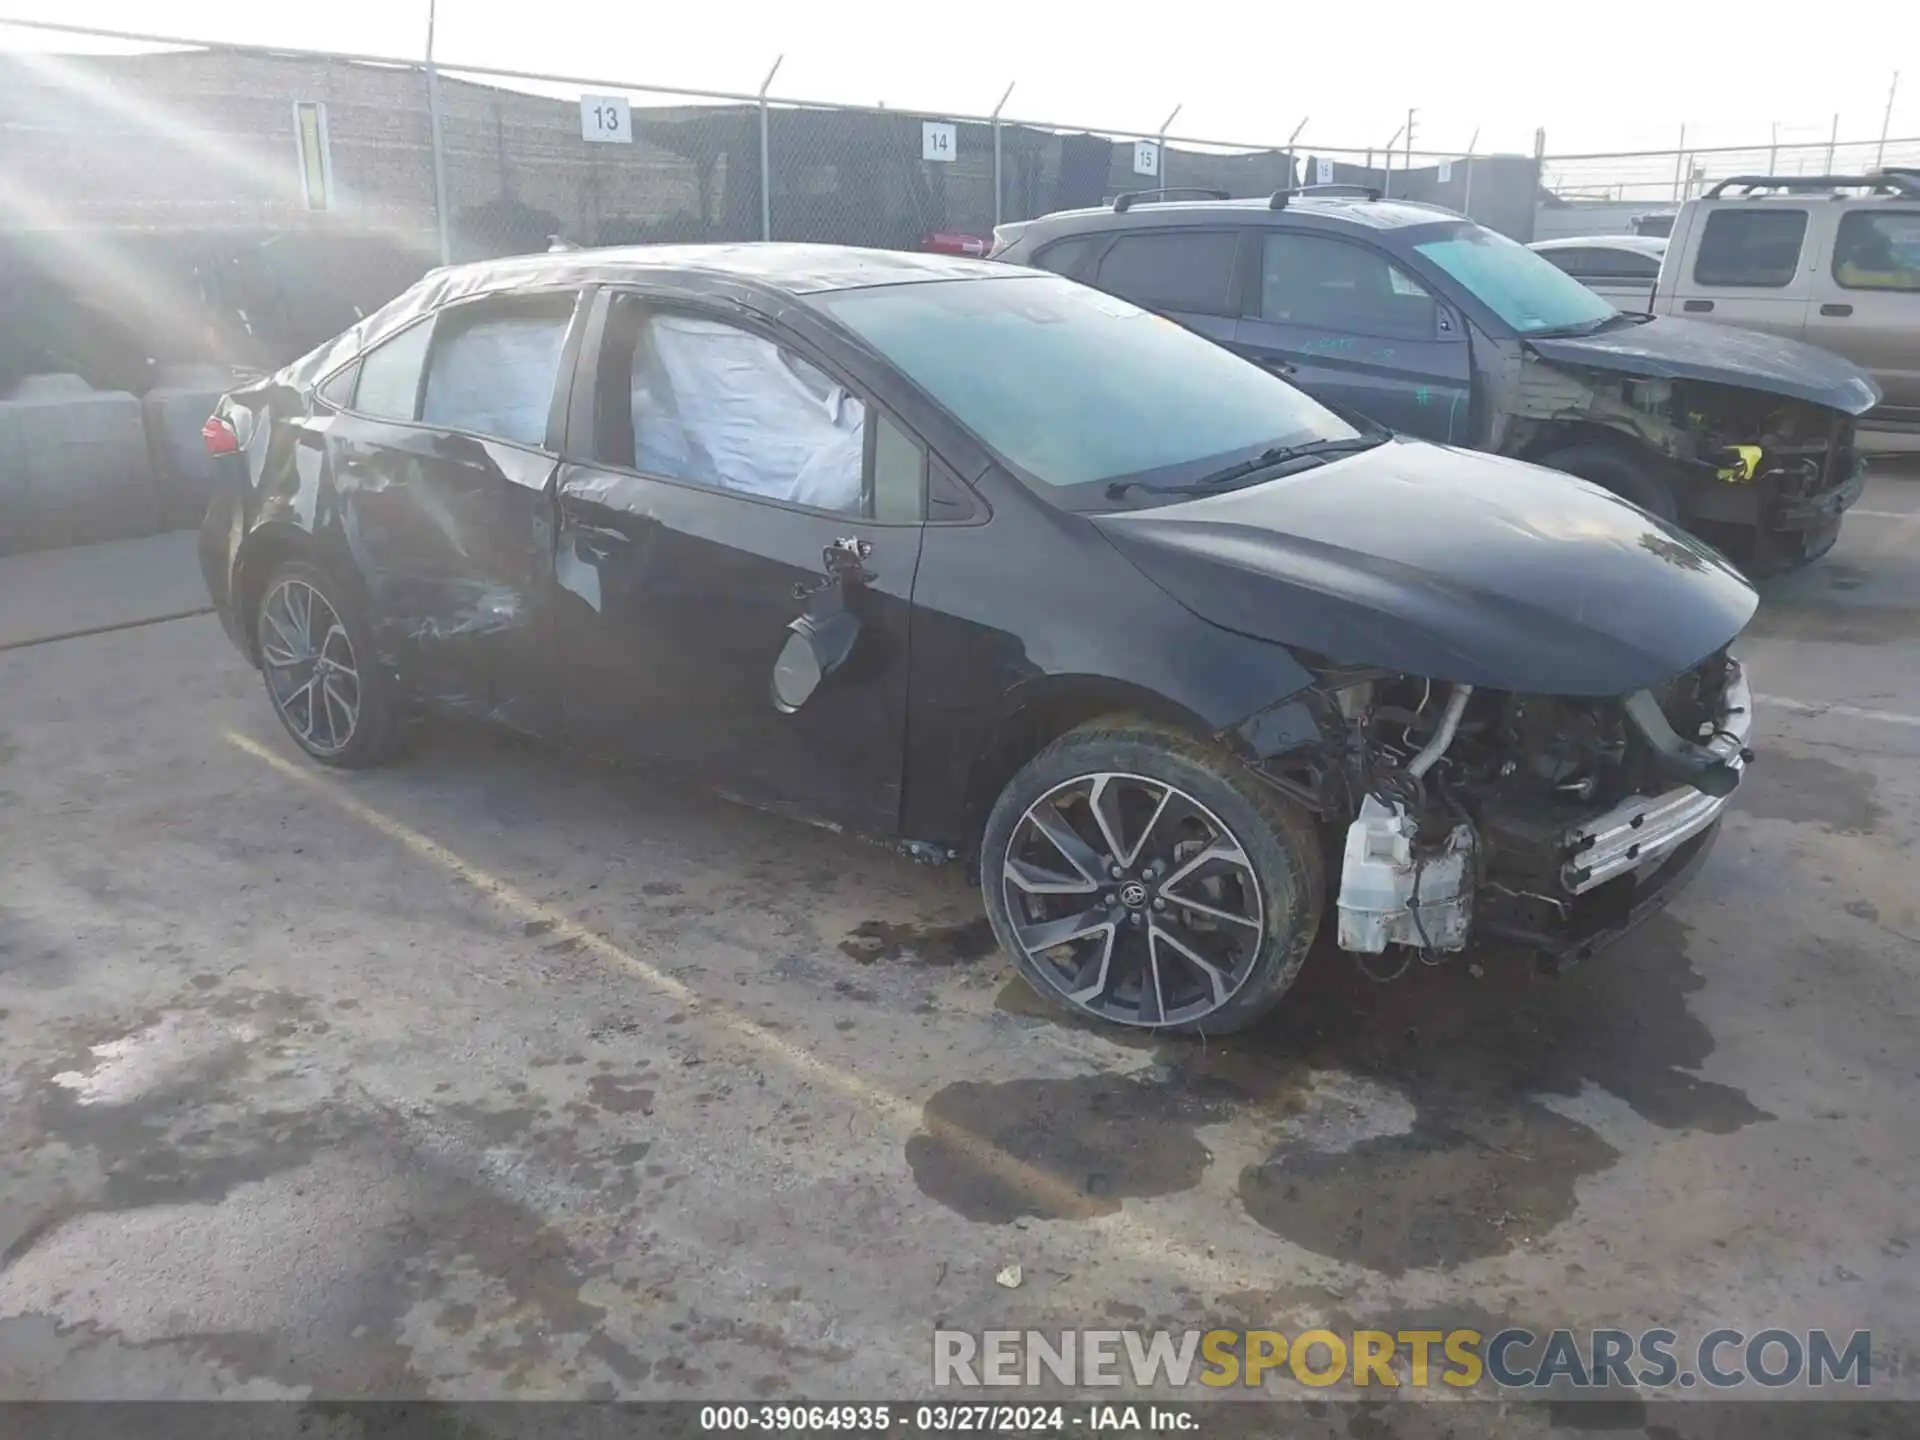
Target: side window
x: 1575, y: 262
x: 494, y: 365
x: 1758, y: 247
x: 1630, y: 265
x: 701, y: 401
x: 337, y: 388
x: 1069, y: 257
x: 389, y: 384
x: 1878, y: 250
x: 1172, y: 270
x: 899, y: 474
x: 1333, y: 285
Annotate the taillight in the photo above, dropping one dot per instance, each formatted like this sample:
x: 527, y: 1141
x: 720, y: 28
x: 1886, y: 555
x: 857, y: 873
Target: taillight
x: 218, y: 436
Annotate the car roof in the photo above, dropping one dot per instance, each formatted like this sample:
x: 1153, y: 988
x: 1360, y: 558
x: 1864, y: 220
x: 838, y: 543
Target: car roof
x: 1383, y: 214
x: 1654, y: 245
x: 795, y: 269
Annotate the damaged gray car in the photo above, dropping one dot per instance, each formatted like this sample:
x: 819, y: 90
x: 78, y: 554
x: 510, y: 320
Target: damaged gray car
x: 1443, y: 329
x: 1005, y: 571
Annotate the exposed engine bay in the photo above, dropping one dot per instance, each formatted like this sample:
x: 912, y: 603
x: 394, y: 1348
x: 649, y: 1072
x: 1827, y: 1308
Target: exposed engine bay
x: 1476, y: 812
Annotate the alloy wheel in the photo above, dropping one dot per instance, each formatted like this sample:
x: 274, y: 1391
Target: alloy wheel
x: 310, y: 666
x: 1133, y: 900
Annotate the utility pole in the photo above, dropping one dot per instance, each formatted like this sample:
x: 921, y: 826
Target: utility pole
x: 1886, y: 119
x: 1386, y: 161
x: 439, y: 159
x: 1466, y: 205
x: 998, y: 188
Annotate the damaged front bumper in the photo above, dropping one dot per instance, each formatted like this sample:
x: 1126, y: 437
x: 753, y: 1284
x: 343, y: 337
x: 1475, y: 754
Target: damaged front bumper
x: 1619, y: 867
x: 1560, y: 884
x: 1642, y: 829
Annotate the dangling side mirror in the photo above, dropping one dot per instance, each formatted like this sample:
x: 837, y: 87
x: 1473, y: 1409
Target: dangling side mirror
x: 820, y: 642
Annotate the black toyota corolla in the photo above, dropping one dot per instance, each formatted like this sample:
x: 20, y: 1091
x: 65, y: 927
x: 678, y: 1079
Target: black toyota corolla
x: 1003, y: 569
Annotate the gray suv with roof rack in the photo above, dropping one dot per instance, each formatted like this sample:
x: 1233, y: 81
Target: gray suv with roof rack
x: 1420, y: 319
x: 1830, y: 259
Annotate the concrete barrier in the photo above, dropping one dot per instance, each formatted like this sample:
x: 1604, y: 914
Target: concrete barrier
x: 74, y: 467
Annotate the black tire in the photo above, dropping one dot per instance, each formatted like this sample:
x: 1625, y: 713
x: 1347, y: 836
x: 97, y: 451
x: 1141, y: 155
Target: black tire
x: 1613, y: 468
x: 377, y: 730
x: 1275, y: 837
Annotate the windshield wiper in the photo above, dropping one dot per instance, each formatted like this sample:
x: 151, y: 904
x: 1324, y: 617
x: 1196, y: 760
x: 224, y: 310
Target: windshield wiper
x: 1273, y: 455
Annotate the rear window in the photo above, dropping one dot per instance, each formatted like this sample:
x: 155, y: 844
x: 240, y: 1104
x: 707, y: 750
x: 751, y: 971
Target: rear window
x: 1069, y: 257
x: 1172, y: 270
x: 1598, y: 263
x: 1757, y: 248
x: 1878, y: 250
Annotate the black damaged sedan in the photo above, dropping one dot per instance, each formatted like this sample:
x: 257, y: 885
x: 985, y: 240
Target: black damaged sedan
x: 1001, y: 568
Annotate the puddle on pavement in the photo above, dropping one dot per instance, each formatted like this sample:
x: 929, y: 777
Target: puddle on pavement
x: 876, y: 940
x: 1484, y: 1164
x: 351, y: 1253
x: 1807, y: 790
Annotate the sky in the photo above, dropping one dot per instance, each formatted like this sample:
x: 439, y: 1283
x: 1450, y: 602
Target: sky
x: 1241, y: 72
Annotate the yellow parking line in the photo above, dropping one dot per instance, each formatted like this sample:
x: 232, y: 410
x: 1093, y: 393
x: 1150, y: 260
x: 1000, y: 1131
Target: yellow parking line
x: 903, y: 1116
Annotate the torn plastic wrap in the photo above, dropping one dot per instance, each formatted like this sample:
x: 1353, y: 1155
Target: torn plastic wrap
x: 495, y: 377
x: 721, y: 406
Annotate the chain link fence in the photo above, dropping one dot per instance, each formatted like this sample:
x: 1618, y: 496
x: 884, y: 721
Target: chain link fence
x: 1674, y: 175
x: 197, y: 201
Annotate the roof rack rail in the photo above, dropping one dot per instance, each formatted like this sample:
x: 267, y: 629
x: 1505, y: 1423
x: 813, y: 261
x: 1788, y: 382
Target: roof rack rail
x: 1894, y: 180
x: 1281, y: 197
x: 1127, y: 199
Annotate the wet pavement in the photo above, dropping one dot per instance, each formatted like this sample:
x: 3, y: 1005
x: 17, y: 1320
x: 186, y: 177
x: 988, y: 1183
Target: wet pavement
x: 498, y: 1074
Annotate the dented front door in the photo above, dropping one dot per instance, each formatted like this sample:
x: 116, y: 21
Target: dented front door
x: 676, y: 603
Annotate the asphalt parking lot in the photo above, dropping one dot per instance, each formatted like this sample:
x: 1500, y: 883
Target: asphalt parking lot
x: 499, y: 1074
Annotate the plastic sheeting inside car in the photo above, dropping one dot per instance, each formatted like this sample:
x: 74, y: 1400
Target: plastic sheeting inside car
x: 721, y: 406
x: 495, y: 377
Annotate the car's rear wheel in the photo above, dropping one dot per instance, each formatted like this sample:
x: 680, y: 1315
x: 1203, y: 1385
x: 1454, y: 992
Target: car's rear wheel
x: 320, y: 673
x: 1140, y: 877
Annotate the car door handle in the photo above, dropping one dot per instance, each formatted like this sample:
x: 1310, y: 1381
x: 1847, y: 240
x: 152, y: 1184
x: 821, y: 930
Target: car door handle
x: 1836, y: 309
x: 1698, y: 306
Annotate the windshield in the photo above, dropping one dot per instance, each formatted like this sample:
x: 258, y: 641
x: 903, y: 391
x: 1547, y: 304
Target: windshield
x: 1072, y: 387
x: 1526, y: 290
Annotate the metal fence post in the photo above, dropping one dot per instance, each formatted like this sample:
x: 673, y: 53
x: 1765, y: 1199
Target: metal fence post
x: 1833, y: 140
x: 1466, y: 205
x: 1679, y: 160
x: 1004, y: 97
x: 766, y: 156
x: 1160, y: 145
x: 1886, y: 119
x: 434, y: 140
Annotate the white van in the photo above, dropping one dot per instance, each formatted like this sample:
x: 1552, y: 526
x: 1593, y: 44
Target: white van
x: 1830, y: 259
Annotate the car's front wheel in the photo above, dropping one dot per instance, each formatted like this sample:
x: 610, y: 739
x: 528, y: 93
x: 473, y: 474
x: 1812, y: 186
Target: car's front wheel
x: 320, y: 672
x: 1141, y: 877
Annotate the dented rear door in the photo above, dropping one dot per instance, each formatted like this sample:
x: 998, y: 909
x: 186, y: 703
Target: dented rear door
x: 446, y: 507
